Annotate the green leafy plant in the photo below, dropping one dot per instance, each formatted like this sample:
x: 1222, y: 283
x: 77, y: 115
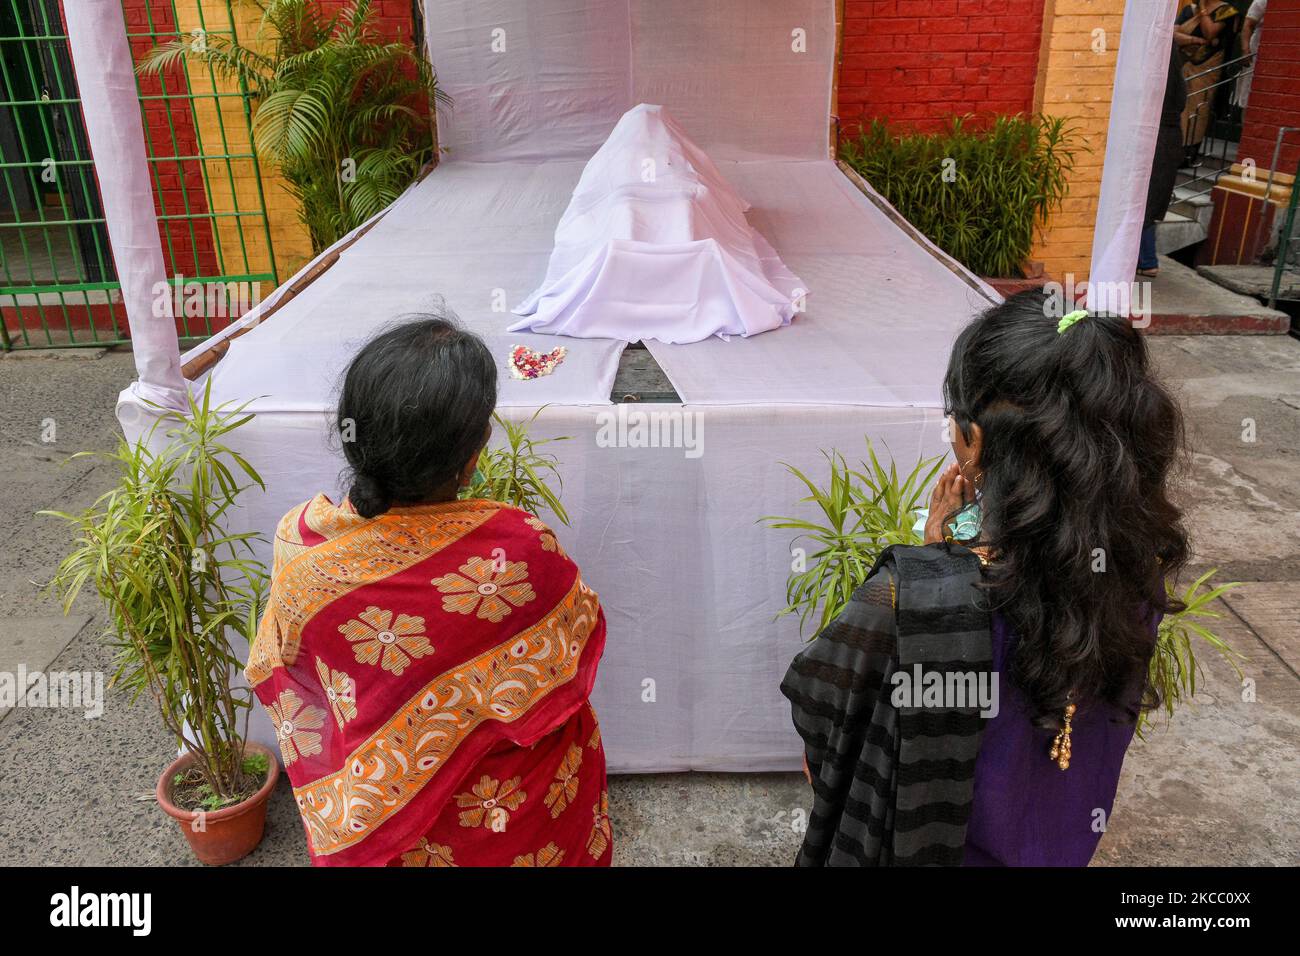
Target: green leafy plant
x: 865, y: 510
x: 1174, y: 667
x: 173, y: 581
x: 978, y: 194
x: 256, y: 765
x: 516, y: 471
x: 345, y: 115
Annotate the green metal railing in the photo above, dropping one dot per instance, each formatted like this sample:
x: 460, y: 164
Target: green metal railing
x: 58, y: 285
x: 220, y: 150
x: 1286, y: 268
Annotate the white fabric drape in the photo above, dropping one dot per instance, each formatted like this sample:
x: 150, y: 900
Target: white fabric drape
x: 543, y: 80
x: 1140, y: 73
x: 654, y: 245
x: 670, y: 537
x: 101, y: 57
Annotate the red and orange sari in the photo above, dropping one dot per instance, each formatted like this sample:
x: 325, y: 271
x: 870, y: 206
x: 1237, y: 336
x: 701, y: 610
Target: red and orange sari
x: 428, y: 673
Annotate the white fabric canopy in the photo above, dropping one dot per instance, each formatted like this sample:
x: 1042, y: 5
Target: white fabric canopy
x: 542, y: 80
x: 546, y: 81
x: 654, y: 245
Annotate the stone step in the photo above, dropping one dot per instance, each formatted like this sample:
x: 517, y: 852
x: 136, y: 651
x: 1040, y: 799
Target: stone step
x: 1178, y: 231
x: 1184, y: 302
x: 1255, y: 281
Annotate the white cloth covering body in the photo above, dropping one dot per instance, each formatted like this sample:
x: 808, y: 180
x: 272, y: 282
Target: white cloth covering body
x: 654, y: 245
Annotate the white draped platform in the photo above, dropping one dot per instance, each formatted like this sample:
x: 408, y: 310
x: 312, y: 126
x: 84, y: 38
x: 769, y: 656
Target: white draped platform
x: 669, y: 537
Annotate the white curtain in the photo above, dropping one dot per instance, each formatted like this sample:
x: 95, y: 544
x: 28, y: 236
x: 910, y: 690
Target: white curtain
x: 1140, y: 72
x: 748, y: 79
x: 101, y: 57
x: 543, y: 81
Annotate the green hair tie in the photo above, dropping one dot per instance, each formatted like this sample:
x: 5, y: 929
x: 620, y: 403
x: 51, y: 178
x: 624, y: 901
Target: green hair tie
x: 1069, y: 320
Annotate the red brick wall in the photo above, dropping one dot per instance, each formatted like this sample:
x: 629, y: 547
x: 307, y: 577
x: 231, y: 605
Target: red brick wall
x: 1275, y: 91
x: 920, y: 62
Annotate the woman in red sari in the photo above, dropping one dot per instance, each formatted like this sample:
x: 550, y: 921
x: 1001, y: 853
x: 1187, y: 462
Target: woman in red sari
x: 427, y: 661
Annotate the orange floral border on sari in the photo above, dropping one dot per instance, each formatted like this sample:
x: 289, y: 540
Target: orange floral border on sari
x: 314, y: 577
x: 386, y: 772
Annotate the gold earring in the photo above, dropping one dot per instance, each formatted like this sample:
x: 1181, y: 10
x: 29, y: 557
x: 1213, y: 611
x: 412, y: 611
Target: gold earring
x: 1061, y: 745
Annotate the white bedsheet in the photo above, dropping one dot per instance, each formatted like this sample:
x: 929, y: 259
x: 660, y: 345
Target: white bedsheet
x: 880, y: 317
x: 654, y: 245
x: 471, y: 238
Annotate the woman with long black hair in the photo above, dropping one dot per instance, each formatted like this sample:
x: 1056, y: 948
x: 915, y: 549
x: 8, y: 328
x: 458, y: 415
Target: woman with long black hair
x: 974, y: 701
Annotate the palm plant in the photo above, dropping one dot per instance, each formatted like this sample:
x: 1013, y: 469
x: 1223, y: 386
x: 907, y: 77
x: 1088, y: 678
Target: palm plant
x: 345, y: 116
x: 978, y: 194
x: 865, y: 510
x: 173, y: 580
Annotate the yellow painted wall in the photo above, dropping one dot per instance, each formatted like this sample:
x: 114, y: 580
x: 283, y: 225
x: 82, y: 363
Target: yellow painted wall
x: 1076, y: 81
x: 218, y: 116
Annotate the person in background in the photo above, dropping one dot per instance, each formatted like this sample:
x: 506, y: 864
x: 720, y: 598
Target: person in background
x: 1250, y: 31
x: 1168, y: 155
x: 1215, y: 22
x: 427, y: 661
x: 1064, y: 444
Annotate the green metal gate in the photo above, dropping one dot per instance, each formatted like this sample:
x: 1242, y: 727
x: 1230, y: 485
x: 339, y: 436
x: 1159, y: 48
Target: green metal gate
x: 58, y: 285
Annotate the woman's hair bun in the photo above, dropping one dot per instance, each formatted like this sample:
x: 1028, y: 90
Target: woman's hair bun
x: 367, y: 497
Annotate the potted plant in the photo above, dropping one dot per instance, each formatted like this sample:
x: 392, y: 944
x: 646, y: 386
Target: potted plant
x: 866, y: 509
x: 174, y: 584
x: 979, y: 194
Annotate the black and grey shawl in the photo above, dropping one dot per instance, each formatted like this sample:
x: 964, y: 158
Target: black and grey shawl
x: 892, y: 785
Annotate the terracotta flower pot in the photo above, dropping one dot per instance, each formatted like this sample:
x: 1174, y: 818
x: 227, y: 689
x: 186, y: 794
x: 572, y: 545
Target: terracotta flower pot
x: 230, y: 833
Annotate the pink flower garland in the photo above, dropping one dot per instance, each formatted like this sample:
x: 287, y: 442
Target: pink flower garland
x: 527, y: 363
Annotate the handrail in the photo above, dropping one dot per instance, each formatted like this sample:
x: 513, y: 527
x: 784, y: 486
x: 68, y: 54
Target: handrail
x: 1220, y: 66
